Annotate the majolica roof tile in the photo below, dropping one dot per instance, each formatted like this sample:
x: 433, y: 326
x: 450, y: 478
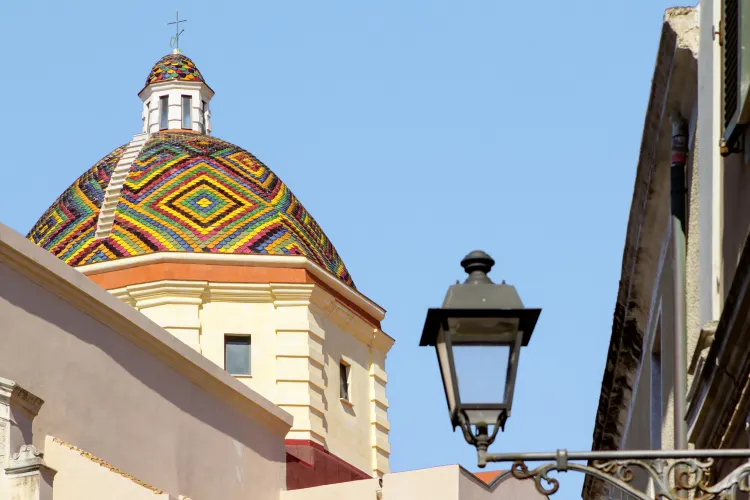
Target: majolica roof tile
x: 185, y: 192
x: 174, y: 67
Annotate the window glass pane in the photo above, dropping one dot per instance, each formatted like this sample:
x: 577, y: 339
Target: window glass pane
x: 344, y: 378
x: 481, y: 372
x: 163, y: 112
x: 237, y: 355
x: 187, y: 121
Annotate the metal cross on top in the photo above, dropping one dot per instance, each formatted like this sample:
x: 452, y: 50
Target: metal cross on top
x: 174, y: 42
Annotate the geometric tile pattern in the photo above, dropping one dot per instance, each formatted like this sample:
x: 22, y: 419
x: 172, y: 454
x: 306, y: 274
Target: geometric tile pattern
x: 68, y: 226
x: 189, y: 192
x: 174, y: 67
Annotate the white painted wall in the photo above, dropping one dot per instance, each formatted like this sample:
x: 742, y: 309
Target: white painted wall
x: 198, y: 91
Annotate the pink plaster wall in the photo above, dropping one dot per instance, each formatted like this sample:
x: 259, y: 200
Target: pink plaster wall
x: 122, y: 402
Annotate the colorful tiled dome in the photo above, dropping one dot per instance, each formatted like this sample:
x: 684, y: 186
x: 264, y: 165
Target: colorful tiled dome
x: 185, y: 192
x: 174, y: 67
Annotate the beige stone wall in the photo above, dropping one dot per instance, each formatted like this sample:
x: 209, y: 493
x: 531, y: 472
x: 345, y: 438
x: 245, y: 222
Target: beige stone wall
x: 82, y: 476
x: 123, y: 389
x: 299, y: 335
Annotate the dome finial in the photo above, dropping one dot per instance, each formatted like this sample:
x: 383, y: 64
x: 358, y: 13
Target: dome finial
x: 174, y: 42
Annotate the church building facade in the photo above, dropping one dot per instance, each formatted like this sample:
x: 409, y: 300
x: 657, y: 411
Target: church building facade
x: 177, y: 324
x: 211, y: 245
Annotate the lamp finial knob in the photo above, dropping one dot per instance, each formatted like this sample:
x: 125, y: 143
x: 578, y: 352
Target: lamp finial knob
x: 477, y: 264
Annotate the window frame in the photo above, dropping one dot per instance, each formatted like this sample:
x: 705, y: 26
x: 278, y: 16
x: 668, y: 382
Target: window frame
x: 164, y: 112
x: 189, y: 115
x: 245, y: 337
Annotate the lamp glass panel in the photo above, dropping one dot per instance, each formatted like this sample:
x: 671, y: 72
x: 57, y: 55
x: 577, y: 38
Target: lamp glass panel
x: 485, y: 416
x: 445, y: 369
x: 482, y: 372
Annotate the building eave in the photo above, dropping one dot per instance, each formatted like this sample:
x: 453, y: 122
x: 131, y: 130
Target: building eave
x: 280, y: 261
x: 675, y: 62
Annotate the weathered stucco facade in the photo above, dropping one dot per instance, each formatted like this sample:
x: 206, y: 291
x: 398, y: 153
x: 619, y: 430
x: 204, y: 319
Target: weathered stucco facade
x: 636, y: 407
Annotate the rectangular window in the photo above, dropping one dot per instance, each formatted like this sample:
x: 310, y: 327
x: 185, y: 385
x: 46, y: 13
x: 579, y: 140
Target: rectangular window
x: 203, y: 117
x: 657, y: 413
x: 344, y: 381
x: 147, y: 118
x: 187, y: 105
x: 164, y: 112
x: 237, y: 354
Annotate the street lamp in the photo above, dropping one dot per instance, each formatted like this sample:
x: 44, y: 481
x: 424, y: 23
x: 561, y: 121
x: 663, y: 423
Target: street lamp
x: 478, y: 335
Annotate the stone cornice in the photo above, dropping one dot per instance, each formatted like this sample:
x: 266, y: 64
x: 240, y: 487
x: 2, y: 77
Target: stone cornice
x: 291, y: 294
x: 281, y: 261
x: 157, y: 293
x: 238, y: 292
x: 382, y: 341
x: 13, y: 394
x: 28, y: 459
x: 175, y: 85
x: 39, y: 266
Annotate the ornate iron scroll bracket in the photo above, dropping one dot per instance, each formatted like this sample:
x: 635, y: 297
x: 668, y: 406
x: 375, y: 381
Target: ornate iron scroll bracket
x: 670, y: 472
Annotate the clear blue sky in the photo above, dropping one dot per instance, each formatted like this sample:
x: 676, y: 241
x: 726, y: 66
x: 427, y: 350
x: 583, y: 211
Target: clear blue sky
x: 414, y: 132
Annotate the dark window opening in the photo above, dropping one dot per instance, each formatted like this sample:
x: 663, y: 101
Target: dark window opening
x: 237, y: 354
x: 344, y: 381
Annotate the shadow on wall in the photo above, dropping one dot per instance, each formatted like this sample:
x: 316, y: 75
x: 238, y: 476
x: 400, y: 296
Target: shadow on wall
x: 93, y: 379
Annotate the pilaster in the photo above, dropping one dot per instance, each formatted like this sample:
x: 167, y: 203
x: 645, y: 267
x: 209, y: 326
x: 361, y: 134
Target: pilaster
x: 379, y: 424
x: 300, y: 361
x: 18, y: 408
x: 28, y: 477
x: 174, y: 305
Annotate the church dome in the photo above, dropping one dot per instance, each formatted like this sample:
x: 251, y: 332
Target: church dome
x: 172, y: 67
x: 183, y: 192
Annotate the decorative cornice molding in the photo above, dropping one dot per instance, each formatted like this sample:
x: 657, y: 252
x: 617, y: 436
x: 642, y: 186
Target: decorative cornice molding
x: 255, y: 293
x: 123, y: 295
x: 281, y: 261
x: 12, y: 394
x: 28, y: 459
x: 175, y: 85
x: 291, y: 294
x: 157, y: 293
x: 382, y: 341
